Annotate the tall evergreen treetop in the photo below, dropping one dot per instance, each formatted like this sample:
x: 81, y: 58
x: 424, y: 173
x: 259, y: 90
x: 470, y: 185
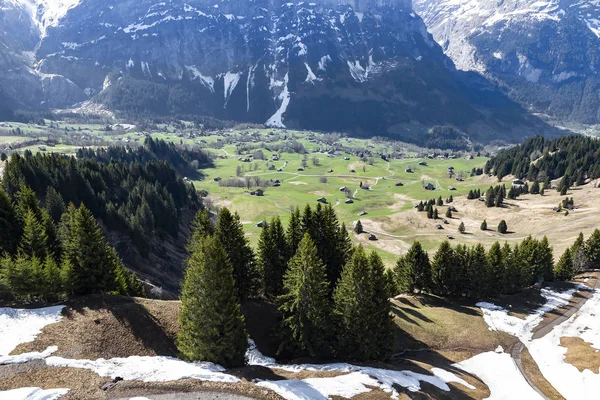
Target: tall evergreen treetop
x: 305, y: 304
x: 212, y: 327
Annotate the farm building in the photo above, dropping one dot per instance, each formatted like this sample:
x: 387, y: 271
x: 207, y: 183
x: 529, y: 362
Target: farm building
x: 257, y: 192
x: 322, y: 200
x: 429, y: 186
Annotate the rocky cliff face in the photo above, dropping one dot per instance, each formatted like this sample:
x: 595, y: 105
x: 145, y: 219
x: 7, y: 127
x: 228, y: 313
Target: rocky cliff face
x: 367, y: 66
x: 546, y: 54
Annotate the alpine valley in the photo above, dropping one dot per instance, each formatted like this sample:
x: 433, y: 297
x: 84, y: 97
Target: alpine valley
x: 362, y: 67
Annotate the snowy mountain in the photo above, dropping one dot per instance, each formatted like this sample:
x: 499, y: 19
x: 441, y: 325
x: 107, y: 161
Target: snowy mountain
x: 367, y: 66
x: 545, y: 53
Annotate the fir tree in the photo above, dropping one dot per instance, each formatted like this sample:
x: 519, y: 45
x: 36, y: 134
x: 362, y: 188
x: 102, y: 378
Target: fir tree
x: 55, y: 205
x: 358, y: 228
x: 478, y: 273
x: 564, y: 269
x: 212, y: 327
x: 231, y: 234
x: 413, y: 271
x: 391, y: 282
x: 272, y: 257
x: 444, y: 270
x: 34, y: 241
x: 294, y: 232
x: 484, y: 225
x: 497, y: 270
x: 362, y: 310
x: 10, y: 225
x: 201, y: 226
x: 592, y: 247
x: 502, y: 227
x: 305, y: 305
x: 462, y: 228
x: 448, y: 213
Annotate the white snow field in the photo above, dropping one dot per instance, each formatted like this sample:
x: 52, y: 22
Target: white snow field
x: 33, y: 394
x: 550, y: 355
x: 499, y: 372
x: 148, y: 369
x: 19, y: 326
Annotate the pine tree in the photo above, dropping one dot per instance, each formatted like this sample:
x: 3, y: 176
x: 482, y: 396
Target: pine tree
x: 212, y: 327
x: 444, y: 270
x: 53, y: 244
x: 462, y: 228
x: 55, y: 204
x: 413, y: 271
x: 478, y: 273
x: 305, y: 305
x: 201, y: 226
x: 358, y: 228
x: 294, y: 232
x: 484, y: 225
x: 272, y: 257
x: 535, y: 188
x: 357, y: 299
x: 10, y: 225
x: 451, y: 199
x: 392, y: 284
x: 34, y: 241
x: 592, y: 247
x: 502, y: 227
x: 25, y: 200
x: 564, y: 269
x: 545, y: 260
x: 430, y: 212
x: 497, y: 270
x: 231, y: 234
x: 448, y: 213
x: 440, y: 202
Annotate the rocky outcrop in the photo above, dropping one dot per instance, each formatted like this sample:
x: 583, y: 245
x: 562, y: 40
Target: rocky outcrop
x: 546, y: 54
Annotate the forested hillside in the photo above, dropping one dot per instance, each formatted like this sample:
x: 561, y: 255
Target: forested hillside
x: 577, y: 157
x: 139, y: 198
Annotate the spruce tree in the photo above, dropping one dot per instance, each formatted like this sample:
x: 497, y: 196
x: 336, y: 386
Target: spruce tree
x: 272, y: 257
x: 414, y: 270
x: 461, y: 228
x: 55, y: 204
x: 201, y: 226
x: 592, y: 248
x: 231, y: 234
x: 34, y: 241
x: 502, y: 227
x: 362, y: 309
x: 305, y: 306
x: 53, y: 244
x: 448, y: 213
x: 358, y: 228
x: 564, y: 269
x: 391, y: 282
x: 294, y: 232
x: 444, y: 270
x: 212, y: 327
x: 484, y: 225
x: 25, y: 201
x: 479, y: 273
x: 497, y: 270
x: 10, y: 225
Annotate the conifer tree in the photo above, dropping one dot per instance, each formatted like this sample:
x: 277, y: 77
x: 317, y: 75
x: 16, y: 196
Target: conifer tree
x: 212, y: 327
x: 358, y: 228
x: 294, y: 232
x: 33, y: 242
x: 25, y: 200
x: 231, y: 234
x: 413, y: 271
x: 502, y: 227
x: 201, y: 226
x: 564, y: 269
x: 53, y: 244
x: 272, y: 257
x: 484, y: 225
x: 461, y: 227
x: 391, y: 282
x: 497, y: 269
x: 435, y: 214
x: 305, y: 306
x: 10, y: 226
x: 478, y: 273
x: 444, y: 270
x: 55, y: 204
x: 592, y: 247
x: 448, y: 213
x: 362, y: 309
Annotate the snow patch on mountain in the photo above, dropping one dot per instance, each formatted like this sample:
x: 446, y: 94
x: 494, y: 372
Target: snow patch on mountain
x: 276, y: 121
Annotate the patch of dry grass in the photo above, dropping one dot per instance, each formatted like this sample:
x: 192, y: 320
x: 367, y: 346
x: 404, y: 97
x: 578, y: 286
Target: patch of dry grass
x: 535, y: 376
x: 581, y: 354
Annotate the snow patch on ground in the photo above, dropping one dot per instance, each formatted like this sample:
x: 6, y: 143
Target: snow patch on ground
x: 33, y: 394
x: 499, y: 372
x: 550, y: 355
x: 498, y: 319
x: 276, y: 121
x: 347, y: 385
x: 230, y: 81
x: 26, y: 357
x: 148, y: 369
x: 19, y: 326
x: 449, y: 377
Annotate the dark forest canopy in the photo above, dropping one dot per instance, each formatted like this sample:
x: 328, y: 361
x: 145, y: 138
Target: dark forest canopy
x: 540, y: 159
x: 139, y: 198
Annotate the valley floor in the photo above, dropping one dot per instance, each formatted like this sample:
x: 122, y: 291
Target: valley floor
x: 444, y: 349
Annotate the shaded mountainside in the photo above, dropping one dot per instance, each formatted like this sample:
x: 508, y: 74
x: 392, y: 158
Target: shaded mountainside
x: 545, y: 54
x: 370, y: 68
